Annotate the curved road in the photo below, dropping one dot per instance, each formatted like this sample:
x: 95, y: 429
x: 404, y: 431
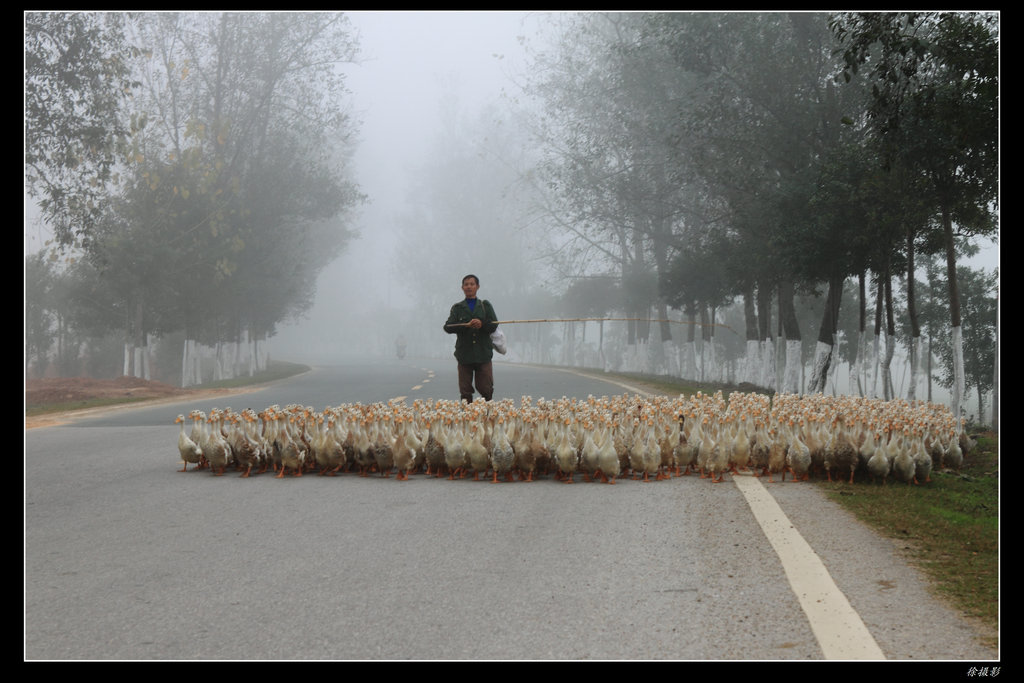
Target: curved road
x: 126, y: 558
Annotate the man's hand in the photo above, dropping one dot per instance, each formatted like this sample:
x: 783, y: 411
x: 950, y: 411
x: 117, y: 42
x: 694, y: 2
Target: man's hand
x: 476, y: 323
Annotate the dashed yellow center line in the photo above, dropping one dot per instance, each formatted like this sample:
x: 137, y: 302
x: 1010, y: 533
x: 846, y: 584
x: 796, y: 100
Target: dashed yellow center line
x: 840, y: 631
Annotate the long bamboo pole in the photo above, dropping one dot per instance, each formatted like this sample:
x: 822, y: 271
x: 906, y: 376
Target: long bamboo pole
x: 577, y: 320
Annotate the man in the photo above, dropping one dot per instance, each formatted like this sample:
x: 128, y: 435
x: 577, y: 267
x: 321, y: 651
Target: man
x: 472, y: 321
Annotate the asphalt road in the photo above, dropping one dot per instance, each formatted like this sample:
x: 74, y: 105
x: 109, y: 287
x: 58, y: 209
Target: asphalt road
x: 128, y: 559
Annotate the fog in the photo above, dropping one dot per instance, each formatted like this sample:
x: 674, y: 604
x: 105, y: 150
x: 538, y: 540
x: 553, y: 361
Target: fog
x: 443, y: 155
x: 414, y: 64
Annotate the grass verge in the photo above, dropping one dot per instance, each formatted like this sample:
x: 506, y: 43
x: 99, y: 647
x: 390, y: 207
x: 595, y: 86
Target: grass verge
x: 948, y: 527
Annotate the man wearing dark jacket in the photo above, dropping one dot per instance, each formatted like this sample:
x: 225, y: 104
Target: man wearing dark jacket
x: 472, y: 321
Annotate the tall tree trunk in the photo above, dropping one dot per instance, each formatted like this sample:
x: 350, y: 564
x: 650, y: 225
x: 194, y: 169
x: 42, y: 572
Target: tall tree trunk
x: 668, y: 348
x: 825, y: 348
x: 929, y: 371
x: 877, y: 355
x: 995, y: 374
x: 861, y: 332
x: 981, y: 403
x: 753, y: 366
x: 689, y: 369
x: 915, y: 326
x: 890, y: 338
x: 764, y: 303
x: 703, y: 340
x: 715, y: 372
x: 262, y: 357
x: 792, y: 375
x: 954, y: 316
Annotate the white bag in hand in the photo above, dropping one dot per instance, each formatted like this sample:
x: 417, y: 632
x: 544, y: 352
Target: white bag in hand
x: 498, y: 341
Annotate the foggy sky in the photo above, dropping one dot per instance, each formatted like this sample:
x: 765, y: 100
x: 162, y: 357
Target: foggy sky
x: 411, y: 61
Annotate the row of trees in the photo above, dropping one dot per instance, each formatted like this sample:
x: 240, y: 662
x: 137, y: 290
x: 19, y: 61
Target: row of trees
x: 705, y: 158
x: 194, y: 169
x: 733, y: 167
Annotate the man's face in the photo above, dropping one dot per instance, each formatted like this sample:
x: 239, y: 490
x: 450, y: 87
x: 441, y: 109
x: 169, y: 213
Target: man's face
x: 469, y: 287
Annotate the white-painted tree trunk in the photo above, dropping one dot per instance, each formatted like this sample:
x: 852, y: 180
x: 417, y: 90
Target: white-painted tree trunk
x: 875, y: 366
x: 192, y: 364
x: 819, y: 369
x: 217, y: 374
x: 244, y: 354
x: 958, y: 375
x: 833, y: 367
x: 915, y: 368
x: 127, y: 366
x: 752, y: 362
x: 862, y: 358
x: 714, y: 373
x: 184, y: 364
x: 262, y: 356
x: 227, y: 366
x: 995, y: 377
x: 767, y: 378
x: 230, y: 364
x: 251, y: 346
x: 146, y: 355
x: 650, y: 365
x: 671, y: 355
x: 890, y: 350
x: 689, y: 364
x: 702, y: 363
x: 791, y: 381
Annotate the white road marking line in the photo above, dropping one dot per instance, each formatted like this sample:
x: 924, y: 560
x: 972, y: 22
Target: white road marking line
x: 839, y: 629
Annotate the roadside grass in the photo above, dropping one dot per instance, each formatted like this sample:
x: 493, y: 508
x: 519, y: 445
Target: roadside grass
x: 275, y: 370
x: 948, y: 527
x: 674, y: 386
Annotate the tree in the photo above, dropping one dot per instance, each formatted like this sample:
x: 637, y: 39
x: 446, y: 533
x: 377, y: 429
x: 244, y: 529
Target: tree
x: 608, y: 167
x: 40, y: 276
x: 240, y: 184
x: 77, y: 79
x: 934, y: 107
x: 978, y: 290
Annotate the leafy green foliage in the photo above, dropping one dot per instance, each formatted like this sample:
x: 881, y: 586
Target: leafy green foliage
x: 978, y: 307
x: 77, y: 76
x: 233, y: 158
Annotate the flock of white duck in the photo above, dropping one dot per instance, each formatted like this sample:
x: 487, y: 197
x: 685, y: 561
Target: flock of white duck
x: 601, y: 438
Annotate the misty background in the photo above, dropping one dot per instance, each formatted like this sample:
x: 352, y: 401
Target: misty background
x: 445, y: 152
x: 417, y: 71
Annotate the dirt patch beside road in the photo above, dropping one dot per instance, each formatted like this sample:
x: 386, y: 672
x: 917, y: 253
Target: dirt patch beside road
x: 56, y: 390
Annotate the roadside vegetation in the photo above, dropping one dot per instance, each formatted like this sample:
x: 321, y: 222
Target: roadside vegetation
x: 948, y: 527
